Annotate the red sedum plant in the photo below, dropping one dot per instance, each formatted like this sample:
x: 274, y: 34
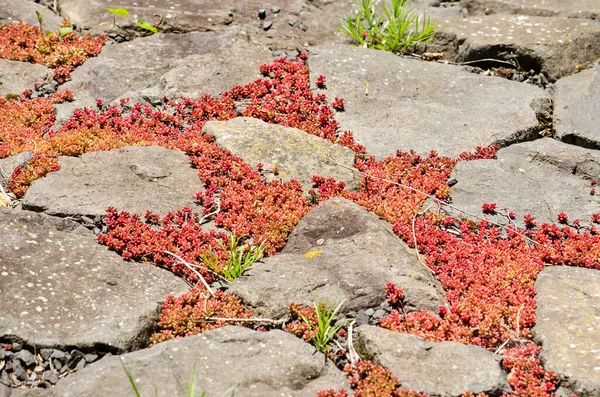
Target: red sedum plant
x: 194, y: 312
x: 488, y: 274
x: 22, y: 42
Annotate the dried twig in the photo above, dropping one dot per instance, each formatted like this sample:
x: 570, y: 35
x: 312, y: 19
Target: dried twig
x: 352, y: 354
x: 193, y: 270
x: 215, y: 212
x: 443, y: 203
x: 415, y: 241
x: 246, y: 320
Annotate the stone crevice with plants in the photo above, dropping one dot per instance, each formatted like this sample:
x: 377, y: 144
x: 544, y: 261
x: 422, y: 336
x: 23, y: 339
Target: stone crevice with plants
x: 488, y: 270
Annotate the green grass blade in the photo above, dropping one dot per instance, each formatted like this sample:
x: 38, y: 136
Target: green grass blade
x: 130, y: 377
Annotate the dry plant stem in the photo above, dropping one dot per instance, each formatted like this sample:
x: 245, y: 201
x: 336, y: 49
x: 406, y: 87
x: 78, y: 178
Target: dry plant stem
x: 3, y: 192
x: 517, y: 335
x: 246, y: 320
x: 352, y: 354
x: 211, y: 271
x: 442, y: 203
x: 415, y: 241
x: 193, y: 270
x: 215, y: 212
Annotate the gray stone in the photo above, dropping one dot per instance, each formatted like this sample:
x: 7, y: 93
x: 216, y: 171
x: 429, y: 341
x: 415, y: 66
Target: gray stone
x: 261, y: 364
x: 133, y: 178
x: 58, y: 354
x: 46, y: 353
x: 8, y: 165
x: 399, y: 103
x: 568, y: 326
x: 577, y: 108
x: 55, y: 287
x: 295, y: 153
x: 209, y: 15
x: 20, y: 10
x: 19, y: 371
x: 267, y: 25
x: 51, y: 377
x: 434, y: 368
x: 543, y: 178
x: 174, y: 65
x: 16, y: 76
x: 91, y: 357
x: 543, y: 8
x: 359, y: 256
x: 26, y: 357
x: 553, y: 45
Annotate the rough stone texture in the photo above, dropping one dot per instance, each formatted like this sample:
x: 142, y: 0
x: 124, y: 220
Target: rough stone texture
x: 543, y: 8
x: 259, y: 364
x: 544, y: 178
x: 352, y: 254
x: 568, y: 326
x: 61, y: 288
x: 295, y: 153
x: 553, y: 45
x: 132, y: 179
x: 577, y: 108
x: 16, y: 77
x: 175, y: 65
x: 8, y: 165
x: 299, y: 22
x: 397, y: 103
x: 22, y: 10
x: 435, y: 368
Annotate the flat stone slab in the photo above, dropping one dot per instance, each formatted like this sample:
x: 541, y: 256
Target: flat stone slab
x: 146, y: 69
x: 568, y: 326
x: 133, y: 178
x: 553, y: 45
x: 258, y: 364
x: 577, y: 108
x: 434, y: 368
x: 544, y: 8
x: 338, y: 251
x: 19, y: 10
x: 543, y: 178
x: 61, y: 288
x: 296, y: 23
x: 397, y: 103
x: 297, y: 154
x: 16, y: 76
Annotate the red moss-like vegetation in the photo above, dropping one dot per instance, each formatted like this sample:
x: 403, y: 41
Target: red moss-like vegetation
x: 487, y: 272
x: 22, y: 42
x: 194, y: 312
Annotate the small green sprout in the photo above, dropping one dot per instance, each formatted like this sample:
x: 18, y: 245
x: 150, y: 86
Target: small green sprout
x: 191, y: 385
x: 398, y: 32
x: 241, y: 257
x: 324, y: 330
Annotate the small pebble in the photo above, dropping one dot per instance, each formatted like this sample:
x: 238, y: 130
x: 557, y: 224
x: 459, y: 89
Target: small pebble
x: 379, y: 314
x: 292, y: 22
x: 45, y: 353
x: 262, y: 14
x: 91, y: 357
x: 275, y: 9
x: 51, y: 377
x: 19, y: 371
x: 57, y: 354
x: 26, y: 357
x: 267, y: 25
